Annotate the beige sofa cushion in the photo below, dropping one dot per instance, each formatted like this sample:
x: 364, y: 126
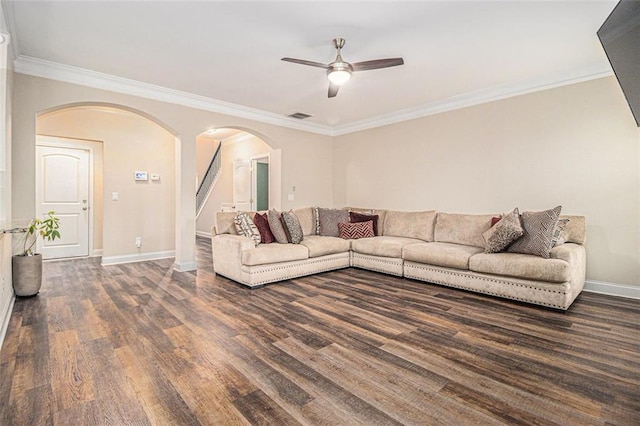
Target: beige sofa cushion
x: 274, y: 253
x: 320, y: 246
x: 382, y: 246
x: 409, y: 224
x: 440, y: 254
x: 518, y: 265
x: 307, y: 220
x: 464, y: 229
x: 225, y: 223
x: 576, y: 230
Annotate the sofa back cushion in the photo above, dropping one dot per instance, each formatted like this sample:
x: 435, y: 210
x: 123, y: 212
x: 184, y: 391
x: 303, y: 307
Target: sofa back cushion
x: 409, y: 224
x: 464, y: 229
x: 576, y: 229
x: 225, y: 223
x: 307, y: 220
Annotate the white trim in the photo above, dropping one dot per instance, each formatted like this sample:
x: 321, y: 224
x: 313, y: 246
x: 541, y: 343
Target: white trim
x: 469, y: 99
x: 6, y: 317
x: 209, y: 191
x: 69, y: 74
x: 612, y: 289
x: 203, y: 234
x: 55, y: 71
x: 140, y: 257
x: 185, y: 267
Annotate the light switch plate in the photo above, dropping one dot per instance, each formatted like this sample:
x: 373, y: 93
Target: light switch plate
x: 114, y: 196
x: 292, y: 197
x: 155, y: 176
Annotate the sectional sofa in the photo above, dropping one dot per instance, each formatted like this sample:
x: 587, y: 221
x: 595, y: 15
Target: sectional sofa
x: 436, y: 247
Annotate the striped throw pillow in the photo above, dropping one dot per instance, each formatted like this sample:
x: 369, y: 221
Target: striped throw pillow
x: 353, y: 231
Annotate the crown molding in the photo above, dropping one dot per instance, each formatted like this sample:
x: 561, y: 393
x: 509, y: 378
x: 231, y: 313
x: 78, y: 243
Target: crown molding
x: 470, y: 99
x: 69, y: 74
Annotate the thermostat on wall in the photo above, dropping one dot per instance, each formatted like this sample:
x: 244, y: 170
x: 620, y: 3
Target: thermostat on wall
x: 141, y: 176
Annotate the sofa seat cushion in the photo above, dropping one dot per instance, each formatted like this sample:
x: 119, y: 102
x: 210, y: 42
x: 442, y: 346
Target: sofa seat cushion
x: 319, y: 245
x: 441, y: 254
x: 521, y: 266
x: 274, y: 253
x: 382, y: 246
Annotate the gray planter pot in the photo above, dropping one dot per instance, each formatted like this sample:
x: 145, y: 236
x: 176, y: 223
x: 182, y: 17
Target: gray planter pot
x: 27, y: 274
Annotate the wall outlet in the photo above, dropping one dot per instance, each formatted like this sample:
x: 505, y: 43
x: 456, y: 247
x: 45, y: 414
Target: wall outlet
x: 138, y: 241
x: 291, y: 197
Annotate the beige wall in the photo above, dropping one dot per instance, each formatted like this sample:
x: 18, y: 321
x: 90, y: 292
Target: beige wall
x: 205, y: 148
x: 241, y: 147
x: 130, y: 142
x: 306, y: 157
x: 576, y: 146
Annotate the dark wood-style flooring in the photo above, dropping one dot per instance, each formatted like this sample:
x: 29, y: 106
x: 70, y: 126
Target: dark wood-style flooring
x: 140, y: 344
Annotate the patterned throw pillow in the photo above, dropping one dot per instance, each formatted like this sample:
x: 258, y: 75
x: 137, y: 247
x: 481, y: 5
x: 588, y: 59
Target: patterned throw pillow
x: 246, y: 227
x: 504, y: 232
x: 316, y: 219
x: 329, y: 219
x: 538, y: 233
x: 292, y: 227
x: 276, y: 226
x: 355, y: 217
x: 353, y: 231
x: 559, y: 236
x: 262, y: 223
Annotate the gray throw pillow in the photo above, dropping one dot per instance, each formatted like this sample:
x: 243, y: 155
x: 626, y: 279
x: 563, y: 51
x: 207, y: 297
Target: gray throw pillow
x: 246, y: 227
x: 538, y: 233
x: 292, y: 227
x: 559, y: 236
x: 277, y: 228
x: 329, y: 219
x: 504, y: 232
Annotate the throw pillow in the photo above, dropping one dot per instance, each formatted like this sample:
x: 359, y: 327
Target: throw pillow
x: 538, y: 233
x: 292, y: 227
x: 504, y: 232
x: 495, y: 220
x: 329, y: 219
x: 353, y: 231
x: 559, y: 236
x: 276, y: 226
x: 355, y: 217
x: 262, y: 223
x: 316, y: 219
x: 246, y: 227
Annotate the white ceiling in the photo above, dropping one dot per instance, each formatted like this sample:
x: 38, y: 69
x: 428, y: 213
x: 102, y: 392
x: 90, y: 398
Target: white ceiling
x: 456, y: 53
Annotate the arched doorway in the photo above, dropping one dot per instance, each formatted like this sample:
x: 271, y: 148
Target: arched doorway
x: 129, y: 218
x: 249, y: 176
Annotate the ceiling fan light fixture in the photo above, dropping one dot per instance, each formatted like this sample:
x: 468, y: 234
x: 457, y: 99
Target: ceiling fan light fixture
x: 338, y: 77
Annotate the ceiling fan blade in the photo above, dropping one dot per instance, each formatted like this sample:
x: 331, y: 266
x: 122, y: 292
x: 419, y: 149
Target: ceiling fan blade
x: 377, y: 63
x: 303, y: 62
x: 333, y: 90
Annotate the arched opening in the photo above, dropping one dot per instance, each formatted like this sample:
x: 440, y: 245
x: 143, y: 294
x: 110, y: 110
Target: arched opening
x: 249, y: 176
x: 130, y: 208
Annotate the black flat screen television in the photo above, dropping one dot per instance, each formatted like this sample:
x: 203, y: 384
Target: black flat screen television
x: 620, y: 38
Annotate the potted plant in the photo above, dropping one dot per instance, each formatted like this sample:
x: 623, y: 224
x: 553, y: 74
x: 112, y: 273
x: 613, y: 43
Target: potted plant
x: 27, y: 265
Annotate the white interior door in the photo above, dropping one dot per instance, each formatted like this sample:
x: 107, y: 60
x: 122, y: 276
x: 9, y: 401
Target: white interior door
x: 242, y: 185
x: 62, y: 185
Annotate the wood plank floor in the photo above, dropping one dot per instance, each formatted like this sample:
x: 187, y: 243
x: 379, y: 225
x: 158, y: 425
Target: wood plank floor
x: 140, y: 344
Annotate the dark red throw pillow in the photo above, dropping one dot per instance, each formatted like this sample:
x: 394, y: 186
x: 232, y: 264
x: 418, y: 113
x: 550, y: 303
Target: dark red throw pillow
x: 355, y: 217
x: 353, y: 231
x: 495, y: 220
x: 262, y: 223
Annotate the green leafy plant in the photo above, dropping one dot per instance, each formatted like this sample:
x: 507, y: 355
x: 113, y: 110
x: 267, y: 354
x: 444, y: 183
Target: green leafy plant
x: 47, y: 228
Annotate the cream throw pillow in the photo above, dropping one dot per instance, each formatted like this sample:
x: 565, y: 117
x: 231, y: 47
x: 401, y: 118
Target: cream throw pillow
x: 506, y: 231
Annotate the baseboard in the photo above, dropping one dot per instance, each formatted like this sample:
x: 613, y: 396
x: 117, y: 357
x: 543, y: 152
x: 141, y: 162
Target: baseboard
x: 612, y: 289
x: 96, y: 253
x: 185, y: 266
x: 203, y: 234
x: 129, y: 258
x: 6, y: 317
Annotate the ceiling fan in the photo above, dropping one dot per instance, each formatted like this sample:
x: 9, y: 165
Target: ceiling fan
x: 339, y: 71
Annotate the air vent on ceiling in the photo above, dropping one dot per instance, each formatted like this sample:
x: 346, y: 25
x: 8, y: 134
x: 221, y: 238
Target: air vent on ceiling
x: 299, y: 115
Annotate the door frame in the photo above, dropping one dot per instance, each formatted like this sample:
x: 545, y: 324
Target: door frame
x: 78, y: 144
x: 254, y: 179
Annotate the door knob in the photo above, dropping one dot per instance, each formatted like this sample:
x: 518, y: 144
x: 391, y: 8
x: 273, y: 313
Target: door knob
x: 85, y: 208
